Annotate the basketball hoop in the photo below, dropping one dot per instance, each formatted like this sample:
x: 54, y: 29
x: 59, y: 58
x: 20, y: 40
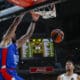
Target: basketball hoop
x: 47, y: 12
x: 13, y: 11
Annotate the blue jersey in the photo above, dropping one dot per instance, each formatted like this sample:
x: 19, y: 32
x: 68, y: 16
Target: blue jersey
x: 12, y: 56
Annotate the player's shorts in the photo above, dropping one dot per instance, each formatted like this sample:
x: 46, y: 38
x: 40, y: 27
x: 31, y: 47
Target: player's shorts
x: 13, y: 73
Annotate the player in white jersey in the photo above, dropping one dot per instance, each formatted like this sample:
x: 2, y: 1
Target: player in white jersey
x: 69, y: 75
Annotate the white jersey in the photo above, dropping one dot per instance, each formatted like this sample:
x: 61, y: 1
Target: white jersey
x: 72, y: 77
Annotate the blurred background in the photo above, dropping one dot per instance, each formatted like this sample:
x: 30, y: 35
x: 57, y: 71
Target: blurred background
x: 68, y: 20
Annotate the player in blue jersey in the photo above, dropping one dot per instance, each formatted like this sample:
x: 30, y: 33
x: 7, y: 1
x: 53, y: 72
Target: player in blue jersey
x: 9, y: 56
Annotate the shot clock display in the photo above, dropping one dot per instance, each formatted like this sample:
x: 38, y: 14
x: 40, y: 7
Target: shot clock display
x: 37, y: 47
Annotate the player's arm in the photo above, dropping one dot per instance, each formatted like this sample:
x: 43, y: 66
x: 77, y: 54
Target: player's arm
x: 59, y: 78
x: 27, y: 35
x: 30, y: 30
x: 79, y: 77
x: 12, y: 28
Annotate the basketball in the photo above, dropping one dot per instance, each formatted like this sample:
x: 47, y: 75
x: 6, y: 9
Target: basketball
x: 25, y: 3
x: 57, y: 35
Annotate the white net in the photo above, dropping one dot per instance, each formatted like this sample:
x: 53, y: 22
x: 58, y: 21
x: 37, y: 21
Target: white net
x: 48, y: 12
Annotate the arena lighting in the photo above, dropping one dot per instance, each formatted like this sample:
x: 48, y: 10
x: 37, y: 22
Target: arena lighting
x: 76, y: 48
x: 15, y: 10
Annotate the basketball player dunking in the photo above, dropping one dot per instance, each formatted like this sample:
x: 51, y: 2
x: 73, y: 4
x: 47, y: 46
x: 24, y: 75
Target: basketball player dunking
x: 69, y: 75
x: 9, y: 48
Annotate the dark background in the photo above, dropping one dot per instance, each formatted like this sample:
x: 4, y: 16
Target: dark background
x: 68, y: 20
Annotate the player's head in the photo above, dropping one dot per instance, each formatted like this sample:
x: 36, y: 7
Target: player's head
x: 69, y: 66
